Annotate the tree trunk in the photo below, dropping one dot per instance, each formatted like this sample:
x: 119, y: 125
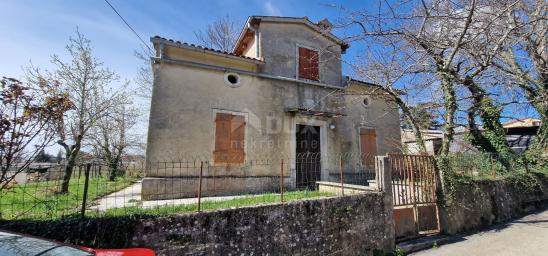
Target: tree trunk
x: 113, y: 169
x: 542, y: 134
x: 69, y: 167
x: 410, y: 117
x: 450, y: 103
x: 416, y: 129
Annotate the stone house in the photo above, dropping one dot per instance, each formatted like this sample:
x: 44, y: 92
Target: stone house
x: 279, y: 94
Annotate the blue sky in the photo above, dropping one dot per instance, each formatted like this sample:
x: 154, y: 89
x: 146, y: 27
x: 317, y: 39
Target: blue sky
x: 33, y: 30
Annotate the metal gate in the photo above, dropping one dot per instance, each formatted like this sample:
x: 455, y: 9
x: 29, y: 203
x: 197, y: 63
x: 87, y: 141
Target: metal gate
x: 414, y: 183
x: 308, y: 158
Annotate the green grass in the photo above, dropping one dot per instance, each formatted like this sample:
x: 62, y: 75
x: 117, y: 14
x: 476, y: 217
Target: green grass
x: 210, y: 206
x: 41, y: 200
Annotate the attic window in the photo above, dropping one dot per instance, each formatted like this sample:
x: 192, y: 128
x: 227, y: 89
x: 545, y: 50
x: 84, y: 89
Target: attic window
x: 308, y: 64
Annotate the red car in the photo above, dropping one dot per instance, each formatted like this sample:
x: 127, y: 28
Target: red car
x: 24, y: 245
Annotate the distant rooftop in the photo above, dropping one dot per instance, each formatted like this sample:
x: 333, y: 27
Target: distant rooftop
x: 519, y: 123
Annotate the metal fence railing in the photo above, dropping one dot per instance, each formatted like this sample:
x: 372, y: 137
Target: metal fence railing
x: 183, y: 185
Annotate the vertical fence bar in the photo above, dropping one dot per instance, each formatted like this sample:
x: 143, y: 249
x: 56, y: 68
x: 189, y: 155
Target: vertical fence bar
x: 200, y: 187
x: 342, y: 179
x: 282, y: 181
x: 86, y: 185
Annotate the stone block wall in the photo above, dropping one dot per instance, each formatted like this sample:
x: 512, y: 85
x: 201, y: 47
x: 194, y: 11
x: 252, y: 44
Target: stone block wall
x: 350, y: 225
x: 483, y: 203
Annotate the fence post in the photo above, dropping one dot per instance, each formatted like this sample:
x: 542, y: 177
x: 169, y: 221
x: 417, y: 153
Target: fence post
x: 282, y: 181
x: 200, y: 187
x: 383, y: 171
x: 86, y: 185
x: 341, y: 171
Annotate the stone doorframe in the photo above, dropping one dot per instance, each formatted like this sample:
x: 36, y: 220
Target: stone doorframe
x: 324, y: 126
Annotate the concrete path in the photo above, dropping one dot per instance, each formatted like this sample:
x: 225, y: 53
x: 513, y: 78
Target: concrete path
x: 525, y: 236
x: 131, y: 196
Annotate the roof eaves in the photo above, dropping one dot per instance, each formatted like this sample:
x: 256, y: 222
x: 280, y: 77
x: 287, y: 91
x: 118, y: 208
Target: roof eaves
x: 305, y: 20
x: 203, y: 48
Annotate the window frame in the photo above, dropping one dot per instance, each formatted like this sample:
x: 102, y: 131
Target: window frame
x: 297, y: 62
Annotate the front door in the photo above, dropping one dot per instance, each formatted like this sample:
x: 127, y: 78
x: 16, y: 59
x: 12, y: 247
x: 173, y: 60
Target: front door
x: 308, y: 158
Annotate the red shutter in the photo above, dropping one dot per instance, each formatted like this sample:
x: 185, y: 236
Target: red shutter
x: 303, y: 63
x: 313, y: 66
x: 308, y: 64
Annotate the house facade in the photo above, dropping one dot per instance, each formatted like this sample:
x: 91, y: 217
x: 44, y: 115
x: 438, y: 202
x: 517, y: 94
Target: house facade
x: 280, y: 94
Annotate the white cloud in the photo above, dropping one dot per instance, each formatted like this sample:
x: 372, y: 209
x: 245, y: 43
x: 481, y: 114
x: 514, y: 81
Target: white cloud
x: 271, y: 9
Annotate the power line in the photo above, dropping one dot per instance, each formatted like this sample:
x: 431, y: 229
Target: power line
x: 129, y: 26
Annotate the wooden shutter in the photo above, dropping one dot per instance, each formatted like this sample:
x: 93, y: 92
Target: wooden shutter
x: 222, y: 137
x: 368, y: 141
x: 237, y: 139
x: 303, y: 63
x: 229, y: 139
x: 368, y: 145
x: 313, y: 66
x: 308, y: 64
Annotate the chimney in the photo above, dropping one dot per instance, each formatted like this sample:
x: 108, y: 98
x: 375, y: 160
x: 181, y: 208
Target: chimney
x: 325, y: 25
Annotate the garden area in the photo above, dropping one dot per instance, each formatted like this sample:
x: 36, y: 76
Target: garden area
x: 42, y: 200
x: 121, y: 196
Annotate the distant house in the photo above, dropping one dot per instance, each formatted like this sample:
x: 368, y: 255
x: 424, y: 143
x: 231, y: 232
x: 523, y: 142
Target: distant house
x: 433, y: 142
x: 279, y: 93
x: 520, y: 133
x: 519, y: 136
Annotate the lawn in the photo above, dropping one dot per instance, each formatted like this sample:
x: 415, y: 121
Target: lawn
x: 41, y: 200
x: 215, y: 205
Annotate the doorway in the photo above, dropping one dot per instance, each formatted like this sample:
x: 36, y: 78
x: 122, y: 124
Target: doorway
x: 308, y: 156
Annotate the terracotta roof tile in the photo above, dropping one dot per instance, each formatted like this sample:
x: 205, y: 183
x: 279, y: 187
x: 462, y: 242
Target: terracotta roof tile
x: 205, y: 48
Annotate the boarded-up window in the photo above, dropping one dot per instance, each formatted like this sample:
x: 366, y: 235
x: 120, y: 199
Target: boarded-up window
x: 308, y: 64
x: 229, y: 139
x: 368, y: 145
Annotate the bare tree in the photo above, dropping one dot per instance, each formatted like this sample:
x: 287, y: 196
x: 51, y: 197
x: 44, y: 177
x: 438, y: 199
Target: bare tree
x: 446, y: 44
x: 221, y: 34
x: 27, y: 115
x: 145, y: 76
x: 525, y: 59
x: 111, y: 136
x: 87, y: 83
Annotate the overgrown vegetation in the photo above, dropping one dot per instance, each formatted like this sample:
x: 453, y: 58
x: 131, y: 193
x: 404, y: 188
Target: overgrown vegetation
x: 463, y: 169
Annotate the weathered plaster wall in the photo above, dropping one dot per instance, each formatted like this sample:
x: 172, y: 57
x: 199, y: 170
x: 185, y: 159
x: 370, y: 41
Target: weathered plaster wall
x: 181, y: 125
x: 279, y: 44
x: 186, y: 98
x: 484, y: 203
x: 351, y: 225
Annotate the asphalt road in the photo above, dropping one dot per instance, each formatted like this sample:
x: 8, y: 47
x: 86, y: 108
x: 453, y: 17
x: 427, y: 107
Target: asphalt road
x: 525, y: 236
